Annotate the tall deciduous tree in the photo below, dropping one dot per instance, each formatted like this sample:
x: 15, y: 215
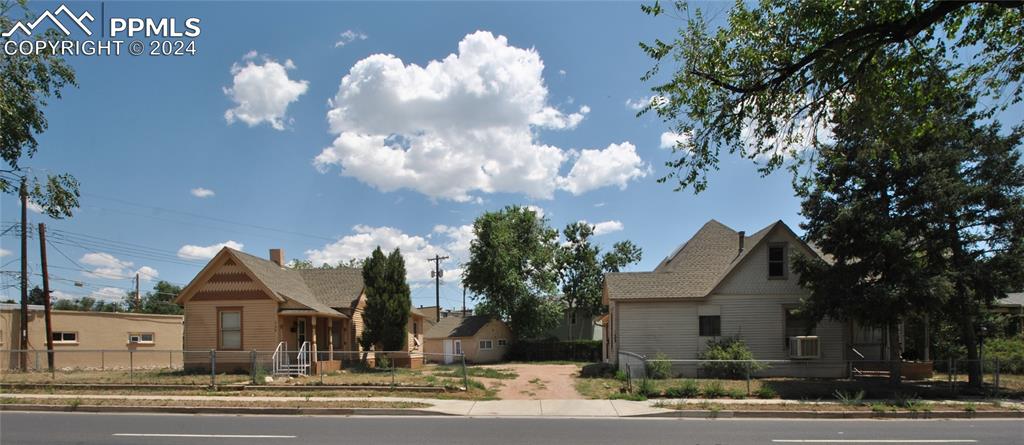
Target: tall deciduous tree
x: 388, y: 301
x: 27, y: 83
x: 160, y: 300
x: 511, y: 270
x: 919, y: 206
x: 762, y: 84
x: 581, y: 267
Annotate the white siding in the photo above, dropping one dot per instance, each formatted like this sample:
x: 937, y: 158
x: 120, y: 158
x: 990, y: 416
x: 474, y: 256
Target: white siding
x: 666, y: 327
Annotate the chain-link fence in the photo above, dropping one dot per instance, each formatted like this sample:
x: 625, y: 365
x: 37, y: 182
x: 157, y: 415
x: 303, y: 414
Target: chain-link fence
x: 281, y: 368
x: 950, y: 376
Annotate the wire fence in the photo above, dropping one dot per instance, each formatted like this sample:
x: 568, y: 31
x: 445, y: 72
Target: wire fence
x: 997, y: 375
x: 213, y: 368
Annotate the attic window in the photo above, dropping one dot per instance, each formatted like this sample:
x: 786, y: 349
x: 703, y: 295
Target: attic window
x: 777, y: 261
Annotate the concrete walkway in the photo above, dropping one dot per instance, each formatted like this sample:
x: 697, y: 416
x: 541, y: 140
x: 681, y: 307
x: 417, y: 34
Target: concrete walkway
x: 486, y: 408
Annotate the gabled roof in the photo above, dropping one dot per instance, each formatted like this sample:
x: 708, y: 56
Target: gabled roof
x: 1015, y: 299
x: 458, y: 326
x: 696, y: 268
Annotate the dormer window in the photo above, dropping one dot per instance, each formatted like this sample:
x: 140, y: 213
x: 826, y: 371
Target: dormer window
x: 777, y: 261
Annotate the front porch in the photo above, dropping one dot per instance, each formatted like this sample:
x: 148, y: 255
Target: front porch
x: 307, y: 341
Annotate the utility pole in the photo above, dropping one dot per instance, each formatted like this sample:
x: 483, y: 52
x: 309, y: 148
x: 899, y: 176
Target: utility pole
x: 46, y: 296
x: 138, y: 296
x: 437, y: 281
x: 23, y: 345
x: 463, y: 301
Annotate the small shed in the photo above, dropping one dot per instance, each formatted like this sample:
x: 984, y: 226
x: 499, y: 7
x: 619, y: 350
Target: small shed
x: 481, y: 338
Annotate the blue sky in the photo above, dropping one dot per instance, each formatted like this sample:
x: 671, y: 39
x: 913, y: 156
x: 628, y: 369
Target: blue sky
x: 141, y: 133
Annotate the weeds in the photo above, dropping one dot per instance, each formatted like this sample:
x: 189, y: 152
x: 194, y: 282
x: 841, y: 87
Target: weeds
x: 713, y: 390
x: 766, y: 392
x: 849, y: 399
x: 971, y: 407
x: 688, y: 388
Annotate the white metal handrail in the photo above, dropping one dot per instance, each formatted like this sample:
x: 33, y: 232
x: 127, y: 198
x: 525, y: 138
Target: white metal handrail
x: 278, y: 358
x: 303, y: 358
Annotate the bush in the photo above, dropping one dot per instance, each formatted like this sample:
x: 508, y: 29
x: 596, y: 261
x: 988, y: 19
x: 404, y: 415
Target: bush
x: 660, y: 367
x: 688, y: 388
x: 621, y: 375
x: 728, y: 348
x: 713, y: 390
x: 1009, y: 352
x: 766, y: 392
x: 598, y: 370
x: 647, y: 389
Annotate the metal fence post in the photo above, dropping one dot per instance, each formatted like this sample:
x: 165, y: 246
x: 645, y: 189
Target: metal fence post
x: 995, y: 379
x: 252, y: 366
x: 103, y: 363
x: 131, y: 366
x: 170, y: 359
x: 465, y: 373
x: 392, y: 362
x: 747, y: 366
x: 213, y: 368
x: 37, y: 359
x: 952, y: 376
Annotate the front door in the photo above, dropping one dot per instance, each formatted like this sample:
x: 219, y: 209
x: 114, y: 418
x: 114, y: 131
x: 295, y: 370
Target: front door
x: 448, y: 352
x: 300, y: 332
x: 458, y: 347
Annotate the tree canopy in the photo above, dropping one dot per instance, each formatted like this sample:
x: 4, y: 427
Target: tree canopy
x: 765, y: 84
x: 581, y: 267
x: 511, y: 270
x: 388, y: 301
x: 27, y: 84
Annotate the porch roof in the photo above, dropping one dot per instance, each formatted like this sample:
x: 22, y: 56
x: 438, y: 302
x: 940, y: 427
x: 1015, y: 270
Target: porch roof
x: 310, y: 312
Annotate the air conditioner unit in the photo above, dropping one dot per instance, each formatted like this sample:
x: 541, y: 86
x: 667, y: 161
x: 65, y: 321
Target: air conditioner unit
x: 804, y: 347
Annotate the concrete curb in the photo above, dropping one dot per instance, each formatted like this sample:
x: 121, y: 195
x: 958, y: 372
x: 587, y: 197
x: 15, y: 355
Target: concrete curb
x: 229, y: 387
x: 750, y: 414
x: 224, y: 410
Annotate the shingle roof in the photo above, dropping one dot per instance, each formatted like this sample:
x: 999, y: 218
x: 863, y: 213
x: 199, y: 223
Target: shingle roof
x: 458, y: 326
x: 1012, y: 299
x: 693, y: 270
x: 317, y: 291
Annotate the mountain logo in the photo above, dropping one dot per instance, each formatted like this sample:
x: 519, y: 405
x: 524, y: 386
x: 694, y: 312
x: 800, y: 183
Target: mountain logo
x: 53, y: 17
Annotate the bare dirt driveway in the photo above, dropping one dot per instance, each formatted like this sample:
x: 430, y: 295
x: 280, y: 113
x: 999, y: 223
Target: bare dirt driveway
x: 536, y: 382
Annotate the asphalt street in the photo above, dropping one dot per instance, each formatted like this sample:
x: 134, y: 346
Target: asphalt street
x: 88, y: 428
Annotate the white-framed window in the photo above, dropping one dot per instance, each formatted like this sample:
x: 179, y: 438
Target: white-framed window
x: 65, y: 337
x: 486, y: 344
x: 230, y: 321
x: 143, y: 338
x: 502, y: 342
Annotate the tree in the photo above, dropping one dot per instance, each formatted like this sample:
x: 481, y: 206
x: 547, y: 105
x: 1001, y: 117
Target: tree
x: 581, y: 267
x: 388, y: 301
x: 307, y: 264
x: 36, y: 296
x: 87, y: 304
x: 764, y: 84
x: 160, y: 300
x: 919, y: 207
x: 27, y: 83
x: 511, y: 270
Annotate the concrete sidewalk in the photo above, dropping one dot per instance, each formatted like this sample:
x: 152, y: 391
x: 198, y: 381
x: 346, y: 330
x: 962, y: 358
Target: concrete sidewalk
x: 502, y: 408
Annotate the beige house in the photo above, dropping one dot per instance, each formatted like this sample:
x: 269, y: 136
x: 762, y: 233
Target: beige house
x: 481, y: 338
x: 723, y: 283
x: 100, y: 340
x: 296, y: 320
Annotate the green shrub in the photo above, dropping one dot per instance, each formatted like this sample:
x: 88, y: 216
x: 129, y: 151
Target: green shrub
x: 766, y: 392
x: 688, y: 388
x: 621, y: 375
x: 628, y: 396
x: 660, y: 367
x: 647, y: 388
x: 728, y: 348
x: 1009, y: 352
x: 713, y: 390
x: 735, y: 393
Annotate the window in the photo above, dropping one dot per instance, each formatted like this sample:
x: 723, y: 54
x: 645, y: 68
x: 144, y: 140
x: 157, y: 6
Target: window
x: 230, y: 321
x: 710, y: 325
x: 486, y: 344
x: 777, y: 261
x: 415, y: 329
x: 502, y: 342
x: 65, y: 337
x: 140, y: 337
x: 797, y: 325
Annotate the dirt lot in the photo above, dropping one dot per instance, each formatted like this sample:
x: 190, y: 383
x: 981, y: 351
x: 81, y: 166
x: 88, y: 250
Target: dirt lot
x: 536, y: 381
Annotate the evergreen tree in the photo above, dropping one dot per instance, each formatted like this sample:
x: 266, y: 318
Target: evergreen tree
x: 374, y: 271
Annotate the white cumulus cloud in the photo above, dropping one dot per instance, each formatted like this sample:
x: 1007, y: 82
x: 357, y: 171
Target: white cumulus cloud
x: 147, y: 273
x: 452, y: 241
x: 671, y: 140
x: 200, y: 192
x: 105, y: 265
x: 109, y: 294
x: 643, y: 102
x: 617, y: 165
x: 193, y: 252
x: 458, y: 126
x: 606, y: 227
x: 263, y: 91
x: 349, y: 36
x: 4, y: 252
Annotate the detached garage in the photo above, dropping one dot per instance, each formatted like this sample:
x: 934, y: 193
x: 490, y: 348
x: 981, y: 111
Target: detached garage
x: 481, y: 338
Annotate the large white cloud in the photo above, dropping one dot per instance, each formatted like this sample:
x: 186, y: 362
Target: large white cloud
x: 457, y: 126
x: 262, y: 91
x: 606, y: 227
x: 193, y: 252
x: 671, y: 140
x: 105, y: 265
x: 615, y: 165
x: 451, y: 241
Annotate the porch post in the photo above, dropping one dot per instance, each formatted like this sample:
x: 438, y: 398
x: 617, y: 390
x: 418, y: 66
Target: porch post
x: 313, y: 346
x: 330, y: 338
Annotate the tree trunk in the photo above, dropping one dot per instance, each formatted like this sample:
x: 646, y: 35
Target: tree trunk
x: 971, y: 343
x: 895, y: 361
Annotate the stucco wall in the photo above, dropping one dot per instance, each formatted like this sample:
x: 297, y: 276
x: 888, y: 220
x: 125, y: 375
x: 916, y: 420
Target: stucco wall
x: 96, y: 331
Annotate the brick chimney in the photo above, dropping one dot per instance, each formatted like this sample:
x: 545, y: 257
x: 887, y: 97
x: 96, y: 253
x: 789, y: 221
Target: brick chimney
x: 277, y: 256
x: 742, y: 236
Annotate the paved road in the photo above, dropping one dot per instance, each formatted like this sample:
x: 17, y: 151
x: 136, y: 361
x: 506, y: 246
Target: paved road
x: 86, y: 428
